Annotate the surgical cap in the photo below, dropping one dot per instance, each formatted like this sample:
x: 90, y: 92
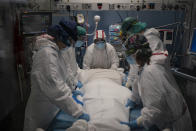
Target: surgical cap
x: 131, y: 26
x: 127, y: 23
x: 58, y: 33
x: 81, y: 31
x: 100, y: 34
x: 153, y: 37
x: 70, y: 27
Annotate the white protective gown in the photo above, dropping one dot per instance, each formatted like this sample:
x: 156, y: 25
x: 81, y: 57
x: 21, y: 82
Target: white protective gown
x: 157, y: 46
x: 163, y: 104
x: 133, y: 75
x: 153, y: 37
x: 156, y: 88
x: 49, y: 92
x: 101, y: 58
x: 71, y: 66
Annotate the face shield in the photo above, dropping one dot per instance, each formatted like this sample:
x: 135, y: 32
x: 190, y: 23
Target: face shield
x: 134, y: 42
x: 100, y: 39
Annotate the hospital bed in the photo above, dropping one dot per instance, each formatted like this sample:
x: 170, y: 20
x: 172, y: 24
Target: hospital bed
x: 104, y: 100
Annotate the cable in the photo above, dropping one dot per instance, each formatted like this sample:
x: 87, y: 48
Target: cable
x: 97, y: 19
x: 96, y: 24
x: 119, y: 16
x: 167, y: 25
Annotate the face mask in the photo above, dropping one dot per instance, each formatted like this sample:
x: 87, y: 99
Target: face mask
x: 79, y: 43
x: 134, y: 42
x: 100, y: 44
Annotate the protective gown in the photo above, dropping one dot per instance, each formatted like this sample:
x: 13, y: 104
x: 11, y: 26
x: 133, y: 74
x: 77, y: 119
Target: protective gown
x: 163, y: 104
x: 49, y: 92
x: 156, y: 88
x: 159, y: 50
x: 101, y: 58
x: 68, y: 57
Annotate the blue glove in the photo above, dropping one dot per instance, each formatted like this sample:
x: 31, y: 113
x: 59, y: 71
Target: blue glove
x: 130, y: 104
x: 124, y: 81
x: 84, y: 116
x: 79, y: 84
x: 132, y: 124
x: 75, y: 93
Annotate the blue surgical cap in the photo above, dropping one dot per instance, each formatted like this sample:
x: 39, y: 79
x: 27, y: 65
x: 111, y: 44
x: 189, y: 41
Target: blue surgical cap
x: 59, y: 34
x: 70, y: 27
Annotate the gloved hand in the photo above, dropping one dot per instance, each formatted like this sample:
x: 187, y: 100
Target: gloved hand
x: 130, y: 104
x: 75, y: 93
x: 132, y: 124
x: 79, y: 85
x: 124, y: 81
x: 84, y: 116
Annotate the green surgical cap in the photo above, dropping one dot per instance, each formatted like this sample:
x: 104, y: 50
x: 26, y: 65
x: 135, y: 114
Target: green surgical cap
x: 81, y: 31
x: 131, y: 26
x: 127, y: 23
x: 137, y: 28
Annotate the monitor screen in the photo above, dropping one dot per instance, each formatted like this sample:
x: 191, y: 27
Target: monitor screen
x: 193, y: 43
x: 35, y: 22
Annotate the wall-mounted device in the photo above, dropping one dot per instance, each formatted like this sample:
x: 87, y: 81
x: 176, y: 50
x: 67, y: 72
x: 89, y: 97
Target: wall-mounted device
x: 120, y: 5
x: 192, y: 47
x: 35, y: 22
x: 166, y: 35
x: 80, y: 18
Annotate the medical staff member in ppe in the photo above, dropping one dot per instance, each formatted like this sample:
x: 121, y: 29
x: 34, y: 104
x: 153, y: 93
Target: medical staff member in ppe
x: 100, y: 54
x: 159, y: 51
x: 49, y: 92
x: 131, y: 32
x: 68, y: 54
x: 163, y: 105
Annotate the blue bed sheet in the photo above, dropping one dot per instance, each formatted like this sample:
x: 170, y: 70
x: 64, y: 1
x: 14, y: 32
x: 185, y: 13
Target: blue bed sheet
x: 62, y: 121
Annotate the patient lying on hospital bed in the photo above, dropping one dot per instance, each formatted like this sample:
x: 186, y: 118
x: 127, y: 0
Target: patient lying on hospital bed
x: 105, y: 99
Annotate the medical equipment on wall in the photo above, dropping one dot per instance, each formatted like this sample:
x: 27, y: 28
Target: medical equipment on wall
x: 166, y: 35
x: 192, y: 48
x: 188, y: 74
x: 120, y: 5
x: 114, y: 34
x: 80, y: 18
x: 32, y: 23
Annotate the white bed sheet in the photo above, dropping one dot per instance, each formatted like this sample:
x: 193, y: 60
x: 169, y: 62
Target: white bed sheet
x: 105, y: 99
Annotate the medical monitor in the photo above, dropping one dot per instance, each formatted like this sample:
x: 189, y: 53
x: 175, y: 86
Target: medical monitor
x: 192, y: 48
x: 35, y: 22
